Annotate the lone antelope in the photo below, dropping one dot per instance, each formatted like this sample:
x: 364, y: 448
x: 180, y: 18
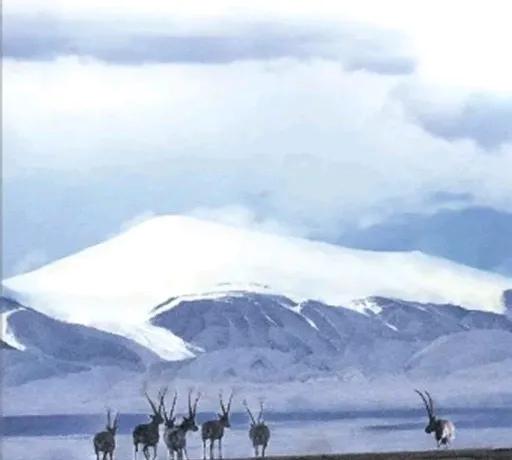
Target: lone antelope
x: 105, y: 441
x: 259, y: 432
x: 176, y: 437
x: 213, y: 430
x: 444, y: 430
x: 147, y: 434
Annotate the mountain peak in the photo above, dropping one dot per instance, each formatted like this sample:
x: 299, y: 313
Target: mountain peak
x: 125, y: 277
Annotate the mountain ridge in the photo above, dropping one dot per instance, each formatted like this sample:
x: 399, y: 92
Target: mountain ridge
x: 125, y: 277
x: 183, y: 298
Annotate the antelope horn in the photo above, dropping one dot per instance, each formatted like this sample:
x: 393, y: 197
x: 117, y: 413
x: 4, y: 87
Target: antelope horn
x: 260, y: 416
x: 196, y: 401
x: 174, y: 399
x: 164, y: 412
x: 230, y: 400
x: 431, y: 402
x: 425, y: 402
x: 152, y: 404
x: 190, y: 401
x: 108, y: 418
x: 161, y: 397
x: 221, y: 403
x: 249, y: 412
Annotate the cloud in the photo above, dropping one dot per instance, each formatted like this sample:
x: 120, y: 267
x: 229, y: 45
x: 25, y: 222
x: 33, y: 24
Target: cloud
x: 241, y: 216
x: 303, y: 142
x: 438, y: 37
x: 482, y: 117
x: 358, y: 47
x: 443, y: 197
x: 387, y: 66
x: 324, y: 123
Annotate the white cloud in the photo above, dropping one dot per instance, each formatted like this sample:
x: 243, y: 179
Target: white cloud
x: 301, y: 143
x: 460, y: 43
x: 304, y: 142
x: 243, y: 217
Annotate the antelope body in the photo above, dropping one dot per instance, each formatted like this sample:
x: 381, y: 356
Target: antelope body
x: 259, y: 433
x: 444, y: 430
x: 213, y: 430
x: 148, y: 434
x: 105, y: 441
x: 176, y: 437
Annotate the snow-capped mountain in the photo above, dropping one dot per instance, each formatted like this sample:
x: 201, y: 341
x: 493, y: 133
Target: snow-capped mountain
x: 124, y: 278
x: 180, y: 297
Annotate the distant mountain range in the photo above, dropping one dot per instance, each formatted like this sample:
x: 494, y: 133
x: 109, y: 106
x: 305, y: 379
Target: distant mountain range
x: 474, y: 236
x: 176, y: 297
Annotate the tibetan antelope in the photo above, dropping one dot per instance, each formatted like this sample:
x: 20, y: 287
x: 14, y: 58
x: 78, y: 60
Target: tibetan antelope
x: 444, y: 430
x: 259, y: 432
x: 148, y: 434
x: 105, y: 441
x: 176, y: 437
x: 213, y: 430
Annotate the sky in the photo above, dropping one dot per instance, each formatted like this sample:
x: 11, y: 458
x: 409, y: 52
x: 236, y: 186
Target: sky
x: 382, y: 125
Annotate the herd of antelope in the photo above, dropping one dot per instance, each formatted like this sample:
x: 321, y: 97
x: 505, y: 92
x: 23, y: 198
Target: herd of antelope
x: 147, y: 435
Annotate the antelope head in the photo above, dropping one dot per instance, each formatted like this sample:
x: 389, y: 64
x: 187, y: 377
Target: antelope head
x: 157, y: 416
x: 112, y: 426
x: 224, y: 415
x: 189, y: 421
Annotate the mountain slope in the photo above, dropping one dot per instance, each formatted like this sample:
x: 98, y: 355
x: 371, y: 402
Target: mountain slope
x: 462, y: 351
x: 124, y: 278
x: 256, y: 337
x: 262, y: 337
x: 39, y: 347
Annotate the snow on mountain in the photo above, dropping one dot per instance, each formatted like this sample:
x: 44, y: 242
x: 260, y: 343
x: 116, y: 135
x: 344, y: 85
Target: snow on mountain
x: 124, y: 278
x: 39, y: 347
x: 260, y: 338
x: 7, y: 334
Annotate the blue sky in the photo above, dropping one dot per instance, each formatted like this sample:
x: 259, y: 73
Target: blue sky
x: 344, y: 121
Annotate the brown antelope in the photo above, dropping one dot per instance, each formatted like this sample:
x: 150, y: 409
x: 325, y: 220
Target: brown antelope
x: 148, y: 434
x: 259, y: 432
x: 176, y: 437
x: 105, y: 441
x: 213, y: 430
x: 444, y: 430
